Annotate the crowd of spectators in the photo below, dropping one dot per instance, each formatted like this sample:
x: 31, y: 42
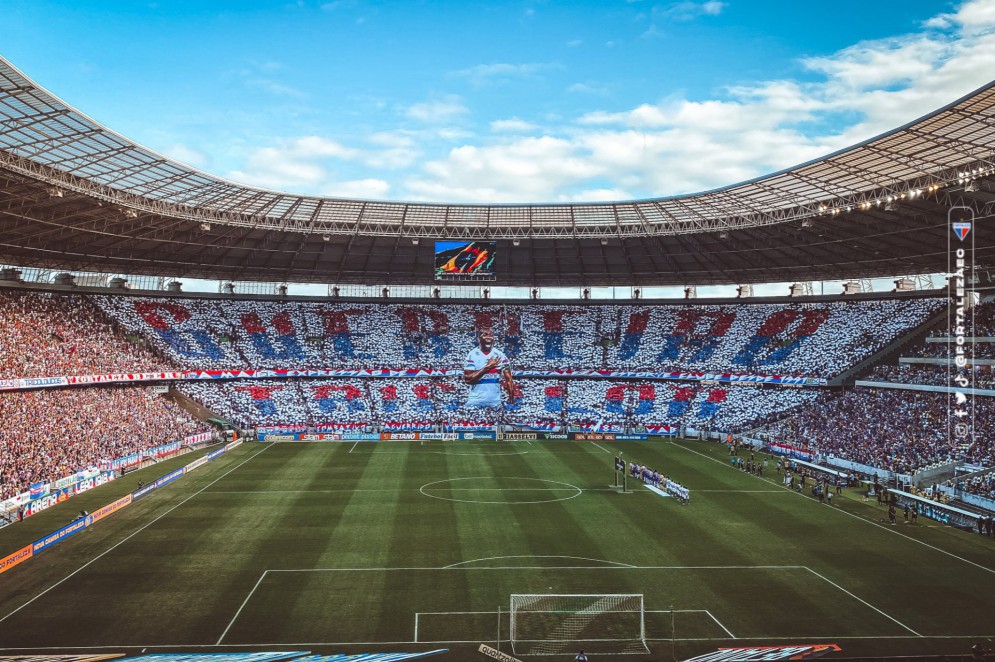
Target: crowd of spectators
x: 816, y: 340
x: 45, y: 335
x: 934, y: 375
x: 49, y: 434
x: 896, y: 430
x: 942, y: 350
x: 979, y: 322
x: 982, y: 485
x: 539, y: 403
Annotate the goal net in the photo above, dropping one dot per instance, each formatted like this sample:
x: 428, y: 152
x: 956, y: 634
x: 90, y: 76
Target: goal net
x: 547, y: 624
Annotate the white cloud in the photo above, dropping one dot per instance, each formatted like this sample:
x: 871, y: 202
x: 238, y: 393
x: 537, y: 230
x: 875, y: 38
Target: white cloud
x: 680, y: 145
x: 437, y: 112
x: 375, y: 189
x: 335, y: 5
x: 597, y: 89
x: 524, y: 169
x: 488, y: 74
x: 974, y: 17
x: 261, y: 76
x: 880, y: 64
x: 513, y: 125
x: 186, y: 154
x: 597, y: 195
x: 656, y: 147
x: 310, y: 162
x: 687, y: 11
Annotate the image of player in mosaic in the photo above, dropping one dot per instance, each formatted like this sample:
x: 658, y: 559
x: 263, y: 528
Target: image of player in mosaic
x: 488, y: 372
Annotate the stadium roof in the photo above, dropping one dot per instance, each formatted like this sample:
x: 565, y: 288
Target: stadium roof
x: 76, y: 195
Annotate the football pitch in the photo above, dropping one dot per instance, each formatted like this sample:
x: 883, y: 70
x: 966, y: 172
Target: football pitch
x: 408, y: 546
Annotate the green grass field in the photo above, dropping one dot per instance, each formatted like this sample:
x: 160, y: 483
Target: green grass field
x: 402, y: 546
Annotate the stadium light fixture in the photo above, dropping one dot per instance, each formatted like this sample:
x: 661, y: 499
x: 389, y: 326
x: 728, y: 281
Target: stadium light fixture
x: 414, y: 241
x: 206, y: 227
x: 516, y: 242
x: 326, y: 237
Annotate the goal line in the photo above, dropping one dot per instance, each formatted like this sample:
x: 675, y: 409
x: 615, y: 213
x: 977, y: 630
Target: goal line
x: 552, y: 623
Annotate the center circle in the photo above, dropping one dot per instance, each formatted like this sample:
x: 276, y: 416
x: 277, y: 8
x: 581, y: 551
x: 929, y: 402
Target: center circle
x: 519, y: 490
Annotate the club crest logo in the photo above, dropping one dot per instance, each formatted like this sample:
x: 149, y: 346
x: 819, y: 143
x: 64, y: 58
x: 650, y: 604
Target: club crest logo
x: 961, y: 229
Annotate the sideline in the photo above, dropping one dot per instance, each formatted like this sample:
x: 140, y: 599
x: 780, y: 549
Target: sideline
x: 135, y: 533
x: 858, y: 517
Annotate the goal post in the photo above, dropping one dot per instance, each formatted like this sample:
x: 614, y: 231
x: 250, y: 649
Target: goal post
x: 547, y: 624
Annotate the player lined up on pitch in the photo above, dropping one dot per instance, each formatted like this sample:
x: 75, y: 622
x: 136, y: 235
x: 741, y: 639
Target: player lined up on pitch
x: 657, y: 479
x: 647, y: 475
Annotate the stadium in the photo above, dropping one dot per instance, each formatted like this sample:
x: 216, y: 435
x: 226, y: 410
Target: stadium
x: 254, y: 474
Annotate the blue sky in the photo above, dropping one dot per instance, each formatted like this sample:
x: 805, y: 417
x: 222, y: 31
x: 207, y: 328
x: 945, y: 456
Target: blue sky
x: 503, y: 101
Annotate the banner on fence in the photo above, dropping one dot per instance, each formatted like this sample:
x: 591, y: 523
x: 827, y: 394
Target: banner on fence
x: 112, y: 507
x: 20, y: 556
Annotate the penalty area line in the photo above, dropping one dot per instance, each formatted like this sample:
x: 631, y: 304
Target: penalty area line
x: 891, y: 618
x: 712, y: 616
x: 242, y: 606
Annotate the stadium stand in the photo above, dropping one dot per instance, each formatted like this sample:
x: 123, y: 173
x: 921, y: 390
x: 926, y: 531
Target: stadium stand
x: 980, y: 321
x: 45, y: 334
x: 815, y: 340
x: 983, y: 486
x: 540, y: 403
x: 901, y: 431
x: 44, y: 437
x: 935, y: 350
x: 935, y: 375
x: 53, y: 334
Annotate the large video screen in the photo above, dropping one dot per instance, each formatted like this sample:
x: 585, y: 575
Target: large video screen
x: 456, y: 259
